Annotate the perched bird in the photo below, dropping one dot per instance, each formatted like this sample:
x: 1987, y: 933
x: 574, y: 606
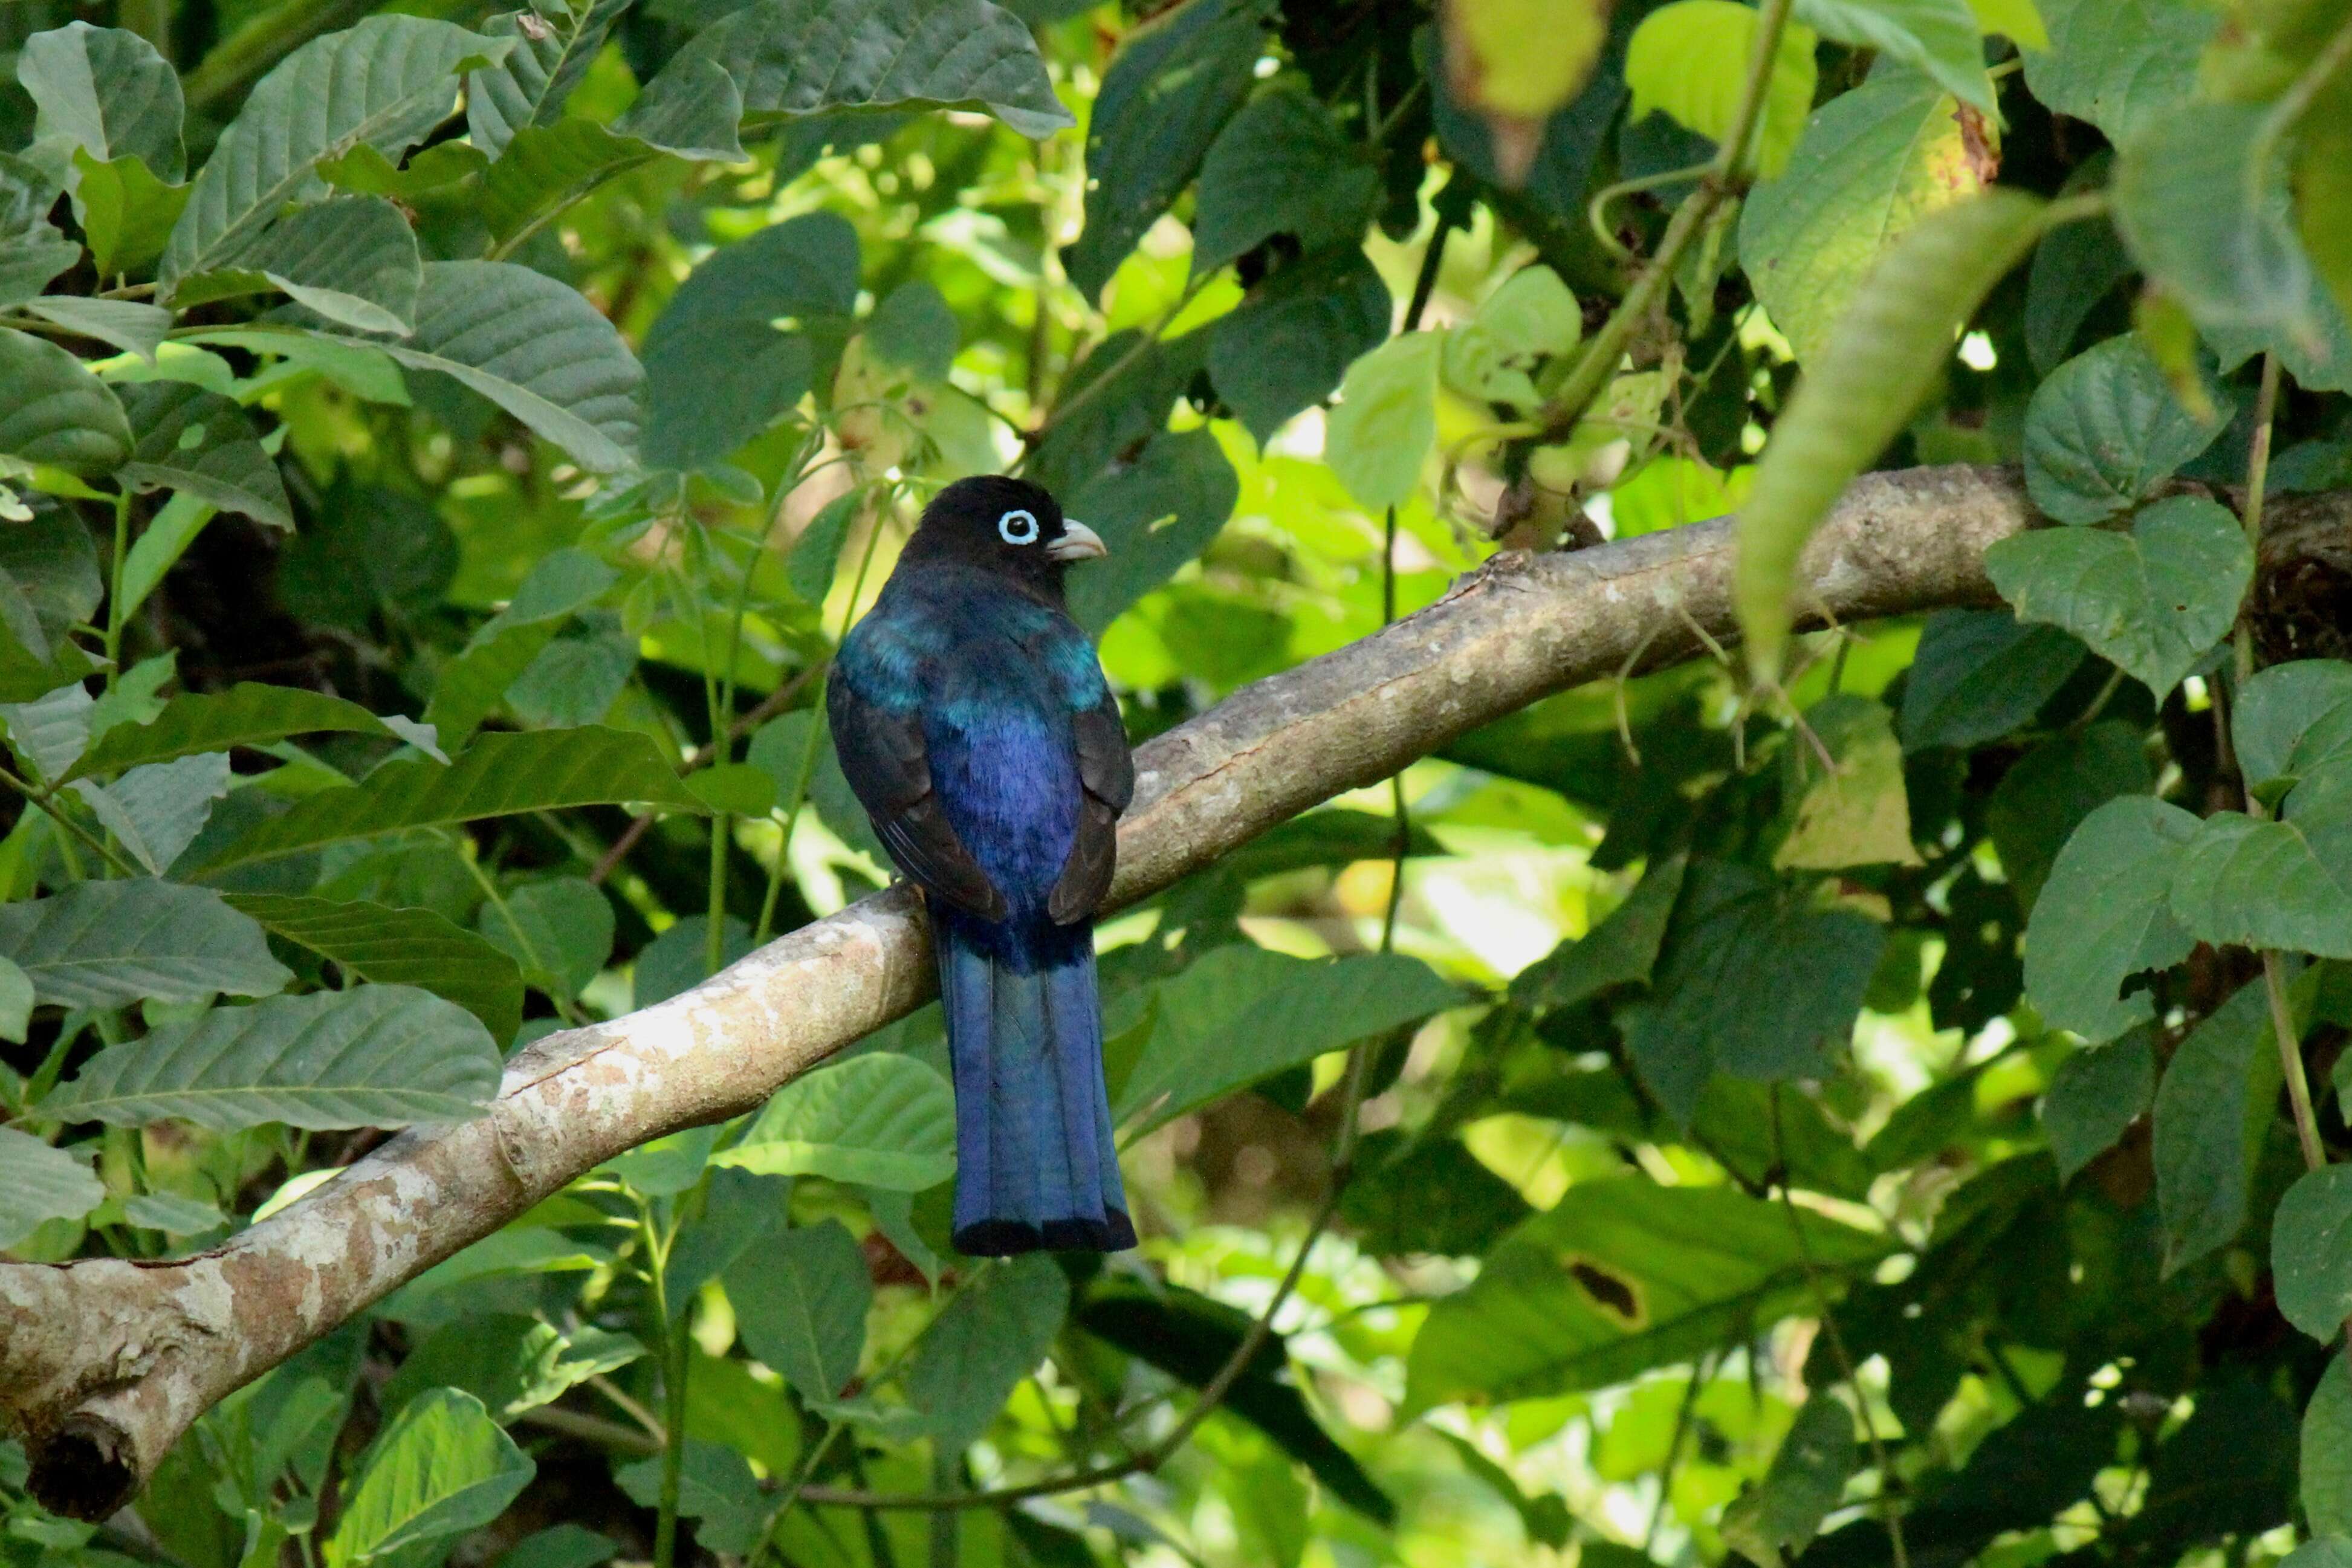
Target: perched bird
x: 975, y: 726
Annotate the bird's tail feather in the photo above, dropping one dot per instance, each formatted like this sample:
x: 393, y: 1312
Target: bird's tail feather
x: 1036, y: 1166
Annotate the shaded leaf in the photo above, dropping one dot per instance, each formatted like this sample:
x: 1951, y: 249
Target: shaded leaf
x: 1622, y: 950
x: 974, y: 1354
x: 353, y: 260
x: 1156, y: 514
x: 186, y: 438
x: 2103, y: 917
x: 40, y: 1184
x: 125, y: 324
x: 2201, y: 196
x: 155, y: 812
x: 880, y: 1119
x: 1855, y: 812
x: 398, y: 947
x: 1780, y: 1515
x: 1980, y: 675
x: 2326, y: 1469
x: 560, y: 931
x: 2287, y: 883
x: 57, y: 412
x: 106, y: 90
x: 530, y: 86
x: 2311, y: 1252
x: 1280, y: 166
x: 2292, y: 720
x: 715, y: 1489
x: 2095, y: 1095
x: 2047, y: 793
x: 800, y: 1304
x: 2105, y: 431
x: 104, y: 944
x: 2213, y: 1111
x: 2120, y: 63
x: 1937, y: 37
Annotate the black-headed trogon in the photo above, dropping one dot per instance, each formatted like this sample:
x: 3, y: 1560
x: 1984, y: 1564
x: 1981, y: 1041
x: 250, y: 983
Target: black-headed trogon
x: 975, y: 726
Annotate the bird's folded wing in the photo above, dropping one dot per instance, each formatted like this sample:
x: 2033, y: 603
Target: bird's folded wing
x: 884, y: 759
x: 1108, y: 774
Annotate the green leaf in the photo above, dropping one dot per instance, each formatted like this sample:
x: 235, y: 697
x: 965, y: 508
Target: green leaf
x: 171, y: 1213
x: 2311, y: 1252
x: 398, y: 947
x: 375, y: 1056
x: 50, y: 732
x: 559, y: 585
x: 740, y: 788
x: 128, y: 325
x: 159, y: 547
x: 914, y: 328
x: 1623, y: 950
x: 57, y: 412
x: 575, y: 680
x: 40, y: 1184
x: 364, y: 171
x: 2094, y: 1096
x: 2047, y: 793
x: 1175, y: 82
x: 2201, y: 196
x: 2075, y: 267
x: 155, y: 812
x: 798, y: 58
x: 679, y: 958
x: 2120, y: 64
x: 1156, y: 513
x: 2293, y: 720
x: 1873, y: 163
x: 694, y: 116
x: 2103, y: 917
x: 352, y: 259
x: 1888, y: 347
x: 364, y: 371
x: 560, y: 931
x: 2105, y: 432
x: 497, y: 775
x: 246, y: 714
x: 1618, y: 1277
x: 1690, y: 59
x: 385, y: 82
x: 536, y: 348
x: 1286, y: 346
x: 1779, y: 1516
x: 2327, y: 1468
x: 563, y: 1545
x: 442, y: 1468
x: 509, y: 1362
x: 1856, y: 811
x: 16, y: 1002
x: 1280, y: 166
x: 186, y: 438
x: 54, y: 566
x: 530, y: 86
x: 107, y: 90
x: 2287, y: 883
x: 976, y: 1353
x: 105, y: 944
x: 800, y: 1304
x: 715, y: 1489
x: 881, y: 1120
x: 2154, y: 600
x: 717, y: 371
x: 127, y: 214
x: 1240, y: 1013
x: 1938, y: 38
x: 1750, y: 983
x: 1491, y: 357
x: 809, y: 568
x: 1430, y: 1195
x: 1376, y: 439
x: 1980, y: 675
x: 2212, y: 1112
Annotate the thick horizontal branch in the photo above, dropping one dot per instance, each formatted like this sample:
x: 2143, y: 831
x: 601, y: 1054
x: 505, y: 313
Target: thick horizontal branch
x: 105, y: 1362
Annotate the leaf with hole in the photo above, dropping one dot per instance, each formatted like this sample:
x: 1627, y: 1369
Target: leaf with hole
x: 186, y: 438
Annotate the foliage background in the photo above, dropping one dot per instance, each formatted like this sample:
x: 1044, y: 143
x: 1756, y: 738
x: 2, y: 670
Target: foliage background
x: 1695, y: 1149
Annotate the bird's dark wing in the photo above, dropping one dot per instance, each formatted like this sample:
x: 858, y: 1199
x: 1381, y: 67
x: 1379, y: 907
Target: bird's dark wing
x: 883, y: 757
x: 1108, y: 774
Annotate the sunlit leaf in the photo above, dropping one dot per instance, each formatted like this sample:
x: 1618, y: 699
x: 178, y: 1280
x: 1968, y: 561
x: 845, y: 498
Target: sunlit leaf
x: 443, y: 1467
x: 880, y: 1119
x: 1690, y: 59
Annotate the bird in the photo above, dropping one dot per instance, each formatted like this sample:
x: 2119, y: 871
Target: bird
x: 975, y: 726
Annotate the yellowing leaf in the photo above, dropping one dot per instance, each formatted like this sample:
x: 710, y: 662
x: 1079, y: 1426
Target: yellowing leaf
x: 1858, y: 815
x: 1690, y: 59
x: 1490, y: 69
x: 2017, y: 18
x: 1386, y: 420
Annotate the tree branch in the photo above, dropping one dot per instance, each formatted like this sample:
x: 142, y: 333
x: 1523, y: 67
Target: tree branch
x: 105, y: 1362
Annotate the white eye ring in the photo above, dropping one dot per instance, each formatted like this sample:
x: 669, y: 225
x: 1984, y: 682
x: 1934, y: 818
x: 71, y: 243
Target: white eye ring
x: 1017, y: 527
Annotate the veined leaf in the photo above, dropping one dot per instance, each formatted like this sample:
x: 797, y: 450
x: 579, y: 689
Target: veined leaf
x: 560, y: 931
x: 127, y: 324
x: 496, y: 776
x: 103, y: 944
x: 2200, y: 194
x: 186, y: 438
x: 2311, y: 1252
x: 2287, y: 883
x: 2105, y: 431
x: 881, y: 1120
x: 1280, y: 166
x: 442, y: 1468
x: 1380, y: 433
x: 40, y: 1184
x: 1690, y: 61
x: 352, y: 259
x: 1157, y: 513
x: 2104, y: 917
x: 155, y: 812
x: 1980, y: 674
x: 375, y: 1056
x: 801, y: 1302
x: 1882, y: 355
x: 57, y: 412
x: 528, y: 88
x: 246, y: 714
x: 106, y: 90
x: 126, y: 213
x: 1936, y: 37
x: 992, y: 1336
x: 2120, y: 64
x: 399, y: 947
x: 2211, y: 1112
x: 2293, y: 719
x: 545, y: 165
x: 386, y: 82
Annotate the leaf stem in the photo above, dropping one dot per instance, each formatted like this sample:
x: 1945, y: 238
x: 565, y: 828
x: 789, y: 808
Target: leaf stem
x: 96, y: 846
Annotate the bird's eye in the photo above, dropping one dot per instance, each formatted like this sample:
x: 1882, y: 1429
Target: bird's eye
x: 1017, y: 527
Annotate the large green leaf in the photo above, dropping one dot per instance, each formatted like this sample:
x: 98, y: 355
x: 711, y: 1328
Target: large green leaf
x: 2213, y: 1111
x: 1156, y: 514
x: 2293, y: 720
x: 1937, y: 37
x: 469, y: 686
x: 106, y: 90
x: 1691, y: 59
x: 57, y: 412
x: 536, y: 348
x: 1873, y: 163
x: 1622, y: 950
x: 1240, y: 1013
x: 497, y: 775
x: 2094, y: 1096
x: 1980, y: 674
x: 1378, y: 438
x: 375, y: 1056
x: 529, y: 87
x: 398, y: 947
x: 2311, y: 1252
x: 246, y: 714
x: 717, y: 371
x: 2287, y: 883
x: 1851, y: 809
x: 560, y: 931
x: 127, y: 214
x: 2047, y: 793
x: 103, y: 944
x: 1286, y: 345
x: 547, y: 165
x: 2120, y: 63
x: 2201, y: 196
x: 715, y: 1489
x: 442, y: 1468
x: 353, y: 260
x: 53, y: 567
x: 800, y: 1304
x: 2103, y: 917
x: 881, y: 1120
x: 510, y: 1361
x: 127, y: 324
x: 32, y: 251
x: 1280, y: 166
x: 186, y: 438
x: 2104, y: 432
x: 155, y: 812
x: 1618, y: 1277
x: 385, y: 82
x: 1784, y: 1511
x: 2154, y: 600
x: 1889, y: 346
x: 40, y: 1184
x: 992, y: 1336
x: 1171, y: 88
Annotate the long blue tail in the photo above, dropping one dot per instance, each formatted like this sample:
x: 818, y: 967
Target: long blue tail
x: 1036, y: 1165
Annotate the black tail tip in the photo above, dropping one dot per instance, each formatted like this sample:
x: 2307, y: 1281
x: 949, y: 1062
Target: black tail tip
x: 1010, y: 1237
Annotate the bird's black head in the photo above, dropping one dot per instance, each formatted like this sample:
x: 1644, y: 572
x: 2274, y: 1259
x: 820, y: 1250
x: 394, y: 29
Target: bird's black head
x: 1004, y: 525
